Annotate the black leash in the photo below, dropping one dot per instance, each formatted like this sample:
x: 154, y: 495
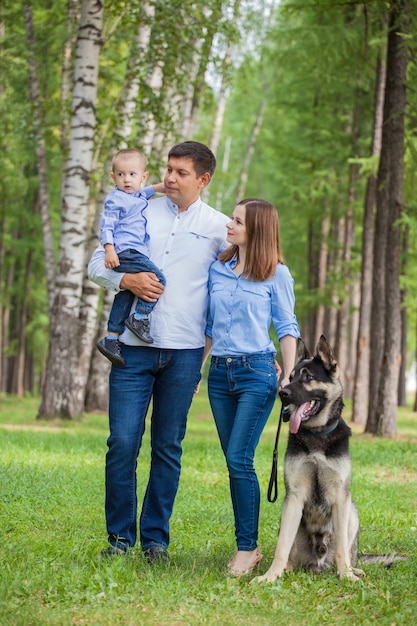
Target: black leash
x: 273, y: 481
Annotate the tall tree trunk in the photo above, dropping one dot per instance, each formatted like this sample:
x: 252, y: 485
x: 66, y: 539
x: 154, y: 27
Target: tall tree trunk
x: 40, y: 150
x: 59, y: 397
x: 97, y: 388
x: 91, y: 363
x: 250, y: 149
x: 149, y: 122
x: 204, y: 47
x: 402, y: 392
x: 73, y: 15
x: 221, y: 105
x: 93, y: 370
x: 344, y: 318
x: 190, y: 102
x: 415, y: 377
x: 6, y: 316
x: 11, y: 307
x: 390, y: 179
x: 127, y: 111
x: 3, y: 329
x: 335, y: 264
x: 361, y: 385
x: 20, y: 361
x: 222, y: 95
x: 322, y: 263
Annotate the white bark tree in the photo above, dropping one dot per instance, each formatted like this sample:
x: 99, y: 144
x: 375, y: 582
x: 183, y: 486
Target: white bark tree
x: 59, y: 396
x: 93, y: 370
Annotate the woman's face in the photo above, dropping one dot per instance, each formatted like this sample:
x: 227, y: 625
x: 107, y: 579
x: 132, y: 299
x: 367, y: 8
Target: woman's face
x: 236, y: 228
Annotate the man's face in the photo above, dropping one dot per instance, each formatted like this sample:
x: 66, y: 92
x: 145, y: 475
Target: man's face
x: 181, y: 182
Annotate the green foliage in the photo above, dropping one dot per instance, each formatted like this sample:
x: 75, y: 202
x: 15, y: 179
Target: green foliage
x: 313, y: 68
x: 312, y: 63
x: 51, y: 515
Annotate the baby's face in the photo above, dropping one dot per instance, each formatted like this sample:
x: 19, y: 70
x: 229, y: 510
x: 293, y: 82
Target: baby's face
x: 129, y: 172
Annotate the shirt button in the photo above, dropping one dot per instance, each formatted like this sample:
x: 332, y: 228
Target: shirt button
x: 229, y: 360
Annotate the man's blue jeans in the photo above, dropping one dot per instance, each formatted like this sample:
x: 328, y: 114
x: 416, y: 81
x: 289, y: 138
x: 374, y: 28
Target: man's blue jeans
x: 242, y: 392
x: 169, y: 377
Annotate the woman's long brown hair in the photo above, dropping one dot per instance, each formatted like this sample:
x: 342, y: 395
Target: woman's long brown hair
x: 263, y: 248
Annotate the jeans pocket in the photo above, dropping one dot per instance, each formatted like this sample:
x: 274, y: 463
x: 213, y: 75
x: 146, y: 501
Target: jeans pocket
x: 264, y: 367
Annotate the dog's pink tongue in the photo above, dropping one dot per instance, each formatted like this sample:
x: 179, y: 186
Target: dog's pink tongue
x: 295, y: 419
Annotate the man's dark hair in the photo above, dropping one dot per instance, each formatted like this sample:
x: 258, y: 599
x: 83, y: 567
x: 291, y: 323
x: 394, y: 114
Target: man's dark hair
x: 201, y: 156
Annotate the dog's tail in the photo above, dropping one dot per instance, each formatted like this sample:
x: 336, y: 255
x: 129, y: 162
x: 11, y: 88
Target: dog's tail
x: 387, y: 560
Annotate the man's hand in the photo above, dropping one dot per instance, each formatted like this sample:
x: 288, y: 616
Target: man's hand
x: 145, y: 285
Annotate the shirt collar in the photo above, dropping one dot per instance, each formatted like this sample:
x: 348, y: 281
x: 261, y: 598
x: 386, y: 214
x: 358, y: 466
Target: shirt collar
x: 193, y: 207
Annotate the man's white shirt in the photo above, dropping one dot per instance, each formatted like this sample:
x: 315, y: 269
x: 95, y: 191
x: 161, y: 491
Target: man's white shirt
x: 183, y: 246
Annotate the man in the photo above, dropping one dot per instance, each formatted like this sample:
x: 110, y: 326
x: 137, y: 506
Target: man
x: 186, y: 236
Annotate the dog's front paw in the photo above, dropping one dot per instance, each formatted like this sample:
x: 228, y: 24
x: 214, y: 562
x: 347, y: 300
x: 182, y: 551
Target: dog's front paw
x: 269, y: 577
x: 353, y: 574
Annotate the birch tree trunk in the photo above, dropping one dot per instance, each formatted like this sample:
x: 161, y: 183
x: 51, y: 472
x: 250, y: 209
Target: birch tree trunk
x: 94, y: 368
x: 189, y: 104
x: 149, y: 121
x: 204, y: 47
x: 73, y: 15
x: 222, y: 95
x: 128, y: 100
x: 392, y: 180
x: 251, y: 149
x: 59, y: 398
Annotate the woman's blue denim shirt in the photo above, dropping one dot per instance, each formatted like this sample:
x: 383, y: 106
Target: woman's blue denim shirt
x: 241, y: 311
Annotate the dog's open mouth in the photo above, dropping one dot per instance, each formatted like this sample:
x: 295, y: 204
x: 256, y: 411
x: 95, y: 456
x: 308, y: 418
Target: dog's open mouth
x: 303, y: 413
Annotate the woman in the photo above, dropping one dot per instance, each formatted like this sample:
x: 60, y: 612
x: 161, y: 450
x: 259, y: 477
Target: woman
x: 249, y: 287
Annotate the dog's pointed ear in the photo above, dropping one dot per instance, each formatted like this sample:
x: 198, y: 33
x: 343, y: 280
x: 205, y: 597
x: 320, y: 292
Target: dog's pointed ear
x: 325, y: 353
x: 302, y: 352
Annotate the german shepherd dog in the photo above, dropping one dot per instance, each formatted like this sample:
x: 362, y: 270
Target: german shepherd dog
x: 319, y: 523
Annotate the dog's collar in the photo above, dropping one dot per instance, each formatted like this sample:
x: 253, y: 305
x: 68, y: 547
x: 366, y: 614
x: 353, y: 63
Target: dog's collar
x: 327, y: 432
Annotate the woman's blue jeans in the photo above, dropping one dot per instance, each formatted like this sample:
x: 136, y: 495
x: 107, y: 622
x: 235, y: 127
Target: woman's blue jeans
x: 242, y: 392
x: 169, y: 377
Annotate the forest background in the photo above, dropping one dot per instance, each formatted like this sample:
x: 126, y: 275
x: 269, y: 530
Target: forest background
x: 310, y: 104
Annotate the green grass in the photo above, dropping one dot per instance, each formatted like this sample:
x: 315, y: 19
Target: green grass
x: 52, y: 530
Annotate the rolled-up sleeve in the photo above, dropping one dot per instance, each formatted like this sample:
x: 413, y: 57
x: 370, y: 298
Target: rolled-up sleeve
x: 99, y: 274
x: 283, y: 302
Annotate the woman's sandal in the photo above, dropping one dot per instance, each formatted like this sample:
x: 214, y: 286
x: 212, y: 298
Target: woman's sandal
x: 237, y: 571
